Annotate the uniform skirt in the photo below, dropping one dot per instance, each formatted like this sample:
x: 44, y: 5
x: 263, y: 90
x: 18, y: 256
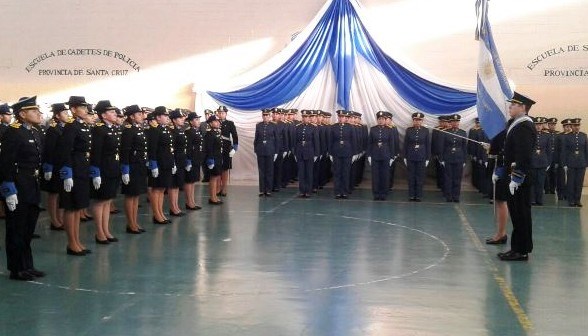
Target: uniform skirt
x: 227, y: 162
x: 108, y: 189
x: 163, y: 180
x: 502, y: 189
x: 138, y: 181
x: 215, y: 171
x: 78, y: 198
x: 193, y: 175
x: 54, y: 185
x: 179, y: 178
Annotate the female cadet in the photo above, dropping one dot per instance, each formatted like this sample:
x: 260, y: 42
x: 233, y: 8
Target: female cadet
x: 20, y: 162
x: 74, y: 160
x: 380, y: 152
x: 213, y: 154
x: 104, y: 169
x: 180, y: 159
x: 51, y: 182
x: 194, y: 152
x: 133, y: 161
x: 417, y: 151
x: 161, y: 162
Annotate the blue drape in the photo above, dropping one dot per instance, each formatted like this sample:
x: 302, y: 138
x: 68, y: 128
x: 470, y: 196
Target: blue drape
x: 339, y: 37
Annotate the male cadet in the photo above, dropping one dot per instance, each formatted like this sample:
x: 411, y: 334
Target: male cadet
x: 20, y: 163
x: 575, y: 159
x: 363, y: 143
x: 417, y: 152
x: 562, y: 187
x: 391, y: 125
x: 205, y: 127
x: 265, y: 145
x: 292, y: 167
x: 540, y: 161
x: 314, y: 120
x: 282, y: 150
x: 325, y: 127
x: 453, y: 152
x: 341, y: 146
x: 436, y: 136
x: 357, y: 150
x: 230, y: 142
x: 475, y: 134
x: 551, y: 178
x: 380, y: 153
x: 306, y: 151
x: 484, y: 176
x: 519, y: 144
x: 5, y: 120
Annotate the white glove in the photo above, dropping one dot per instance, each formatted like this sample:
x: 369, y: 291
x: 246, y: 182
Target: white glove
x: 546, y: 169
x: 275, y: 157
x: 97, y: 181
x: 443, y: 163
x: 295, y: 159
x: 174, y: 170
x: 210, y: 166
x: 495, y: 178
x: 405, y: 162
x: 475, y: 158
x: 232, y: 152
x: 331, y: 158
x: 126, y: 178
x: 512, y: 186
x: 155, y: 172
x: 48, y: 176
x: 370, y: 160
x: 486, y: 164
x: 391, y: 162
x: 426, y: 163
x: 566, y: 169
x: 463, y: 165
x: 67, y: 184
x: 284, y: 154
x: 188, y: 168
x: 315, y: 158
x: 556, y: 165
x: 11, y: 202
x: 353, y: 158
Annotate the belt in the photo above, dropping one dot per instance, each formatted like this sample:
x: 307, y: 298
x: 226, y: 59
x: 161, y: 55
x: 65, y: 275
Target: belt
x: 225, y: 138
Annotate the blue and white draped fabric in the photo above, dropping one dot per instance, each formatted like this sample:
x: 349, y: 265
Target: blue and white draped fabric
x: 335, y: 63
x: 493, y: 86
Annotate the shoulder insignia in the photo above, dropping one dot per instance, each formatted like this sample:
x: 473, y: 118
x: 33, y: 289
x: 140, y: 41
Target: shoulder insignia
x: 52, y: 123
x: 15, y: 125
x: 99, y: 124
x: 70, y: 120
x: 128, y: 125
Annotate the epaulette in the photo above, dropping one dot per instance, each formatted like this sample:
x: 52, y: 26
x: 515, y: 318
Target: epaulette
x: 70, y: 120
x: 52, y: 123
x: 128, y: 125
x: 15, y: 124
x: 99, y: 124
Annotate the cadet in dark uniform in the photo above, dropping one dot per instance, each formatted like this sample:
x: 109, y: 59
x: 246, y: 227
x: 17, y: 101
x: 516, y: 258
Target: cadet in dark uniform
x: 133, y: 161
x: 575, y: 160
x: 5, y: 120
x: 204, y: 127
x: 265, y: 146
x: 51, y: 182
x: 20, y: 163
x: 74, y: 160
x: 104, y: 169
x: 453, y: 155
x: 230, y: 146
x: 380, y: 151
x: 391, y: 125
x: 540, y: 161
x: 314, y: 121
x: 283, y: 138
x: 562, y: 187
x: 518, y: 150
x: 306, y: 149
x: 324, y: 133
x: 213, y: 156
x: 436, y: 136
x: 160, y: 153
x: 195, y: 153
x: 181, y: 163
x: 500, y: 180
x: 551, y: 179
x: 341, y: 148
x: 417, y: 153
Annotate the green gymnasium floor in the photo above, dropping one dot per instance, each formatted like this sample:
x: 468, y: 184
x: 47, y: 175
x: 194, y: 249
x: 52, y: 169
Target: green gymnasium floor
x: 319, y: 266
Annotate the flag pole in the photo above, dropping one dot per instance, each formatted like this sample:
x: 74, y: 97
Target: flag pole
x: 481, y: 143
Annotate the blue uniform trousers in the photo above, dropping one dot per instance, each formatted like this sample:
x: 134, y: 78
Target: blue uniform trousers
x: 265, y: 166
x: 416, y: 178
x: 380, y: 178
x: 305, y: 170
x: 341, y: 174
x: 452, y: 178
x: 575, y: 183
x: 537, y: 185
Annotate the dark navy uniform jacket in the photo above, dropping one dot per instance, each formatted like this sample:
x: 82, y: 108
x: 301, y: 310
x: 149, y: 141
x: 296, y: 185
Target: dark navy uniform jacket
x: 307, y: 143
x: 180, y: 143
x: 20, y: 161
x: 52, y: 135
x: 267, y: 140
x: 104, y: 152
x: 518, y: 147
x: 453, y: 149
x: 574, y: 150
x: 133, y: 146
x: 213, y: 147
x: 160, y: 146
x: 542, y: 155
x: 417, y: 146
x: 228, y: 134
x: 343, y: 140
x: 380, y: 144
x: 195, y: 149
x: 283, y: 137
x: 74, y: 148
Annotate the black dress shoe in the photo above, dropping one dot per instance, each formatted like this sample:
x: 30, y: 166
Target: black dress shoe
x: 131, y: 231
x: 155, y: 221
x: 344, y: 196
x: 112, y: 239
x: 194, y: 208
x: 261, y: 194
x: 87, y: 251
x: 178, y: 214
x: 102, y: 242
x: 74, y: 253
x: 455, y: 201
x: 268, y: 194
x: 500, y: 241
x: 142, y: 230
x: 36, y: 273
x: 114, y: 212
x: 276, y: 190
x: 515, y: 256
x: 215, y: 203
x: 502, y: 254
x: 579, y: 205
x: 56, y: 228
x: 418, y: 200
x: 22, y: 276
x: 337, y: 196
x: 86, y: 219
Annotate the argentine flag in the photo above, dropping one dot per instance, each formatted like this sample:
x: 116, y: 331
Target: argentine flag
x: 493, y: 88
